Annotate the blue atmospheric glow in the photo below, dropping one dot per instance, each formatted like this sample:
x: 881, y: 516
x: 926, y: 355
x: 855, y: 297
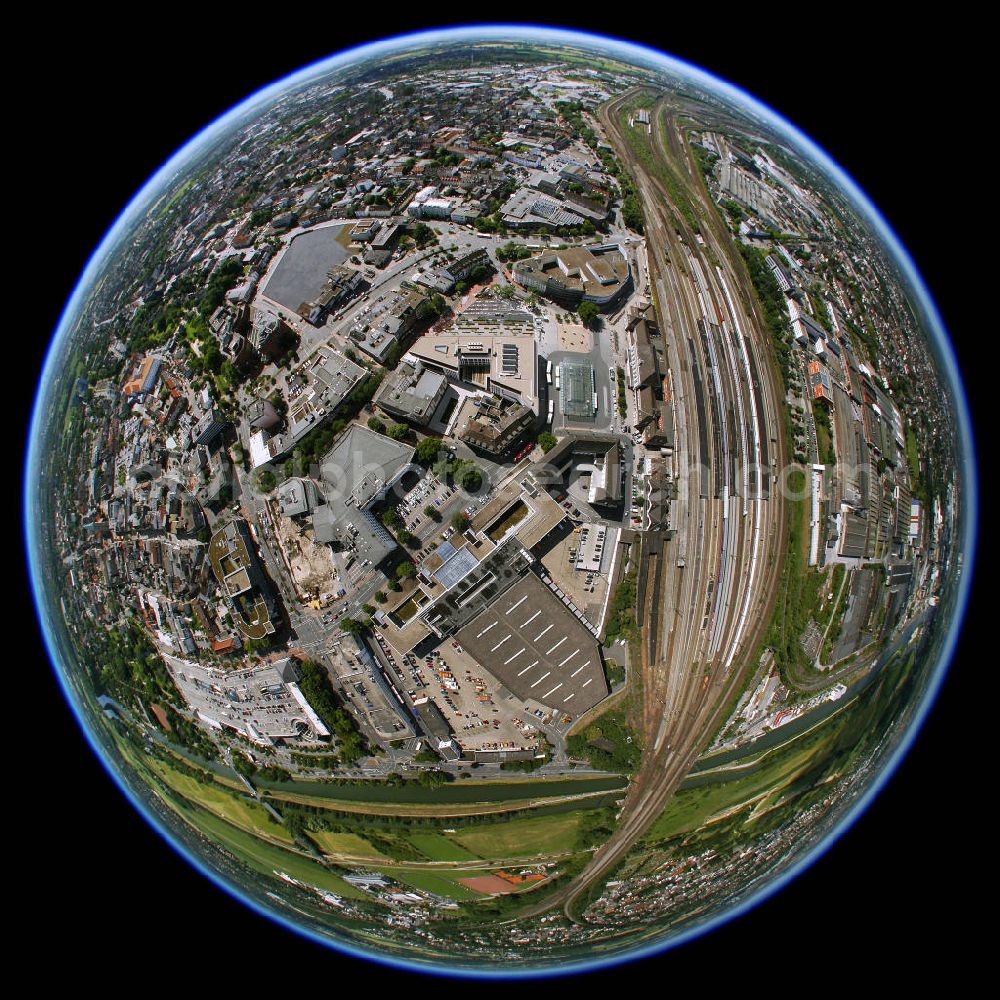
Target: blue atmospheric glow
x: 628, y: 52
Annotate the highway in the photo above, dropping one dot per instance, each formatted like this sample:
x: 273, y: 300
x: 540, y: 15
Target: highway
x: 700, y: 623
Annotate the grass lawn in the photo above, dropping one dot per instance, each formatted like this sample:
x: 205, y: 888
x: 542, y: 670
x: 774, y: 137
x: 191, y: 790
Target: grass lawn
x: 692, y: 808
x: 439, y: 847
x: 261, y: 855
x: 520, y: 838
x: 234, y: 809
x: 344, y: 843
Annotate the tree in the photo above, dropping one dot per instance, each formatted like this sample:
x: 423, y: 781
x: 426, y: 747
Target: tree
x: 460, y: 520
x: 546, y: 441
x: 405, y: 570
x: 471, y: 479
x: 351, y: 626
x: 430, y: 510
x: 267, y: 480
x: 404, y: 537
x: 428, y: 450
x: 422, y: 233
x: 431, y: 779
x: 376, y: 425
x: 588, y: 313
x: 398, y: 431
x: 391, y: 518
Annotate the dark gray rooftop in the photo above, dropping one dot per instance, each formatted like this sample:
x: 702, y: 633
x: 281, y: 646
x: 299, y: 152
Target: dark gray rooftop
x: 537, y: 648
x: 301, y: 273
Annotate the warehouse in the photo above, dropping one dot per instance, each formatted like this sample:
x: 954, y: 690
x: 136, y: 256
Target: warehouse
x: 537, y: 648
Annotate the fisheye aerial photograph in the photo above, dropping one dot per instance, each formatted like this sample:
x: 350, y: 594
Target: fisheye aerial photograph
x: 499, y: 501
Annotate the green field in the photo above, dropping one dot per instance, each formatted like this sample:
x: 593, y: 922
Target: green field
x: 160, y: 210
x: 441, y: 883
x: 521, y: 838
x: 693, y: 807
x: 344, y: 843
x: 235, y: 809
x: 438, y: 847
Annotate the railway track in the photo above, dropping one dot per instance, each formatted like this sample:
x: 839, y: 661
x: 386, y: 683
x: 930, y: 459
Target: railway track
x: 700, y: 623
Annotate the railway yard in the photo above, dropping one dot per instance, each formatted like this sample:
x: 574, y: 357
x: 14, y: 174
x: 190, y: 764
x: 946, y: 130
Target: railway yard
x: 704, y: 593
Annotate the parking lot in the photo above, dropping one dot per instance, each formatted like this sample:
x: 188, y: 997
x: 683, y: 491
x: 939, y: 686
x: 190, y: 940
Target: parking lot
x: 447, y: 500
x: 428, y: 492
x: 587, y: 588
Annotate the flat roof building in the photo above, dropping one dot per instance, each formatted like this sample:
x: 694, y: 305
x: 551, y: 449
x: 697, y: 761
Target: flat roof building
x: 411, y: 392
x: 492, y: 424
x: 241, y: 577
x: 599, y: 452
x: 537, y: 648
x: 600, y: 274
x: 356, y: 473
x: 491, y: 345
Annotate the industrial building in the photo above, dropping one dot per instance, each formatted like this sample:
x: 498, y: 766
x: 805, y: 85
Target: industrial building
x: 528, y: 209
x: 819, y: 381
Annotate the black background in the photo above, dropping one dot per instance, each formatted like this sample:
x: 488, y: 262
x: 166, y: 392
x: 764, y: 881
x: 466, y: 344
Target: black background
x: 898, y: 110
